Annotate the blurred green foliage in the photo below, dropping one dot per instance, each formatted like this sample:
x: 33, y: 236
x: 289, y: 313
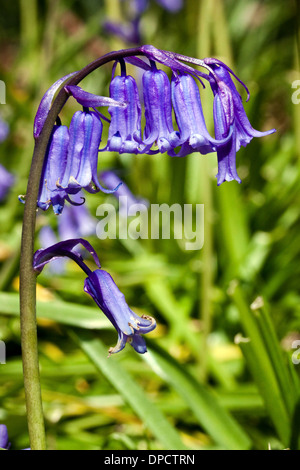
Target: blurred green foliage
x: 219, y: 372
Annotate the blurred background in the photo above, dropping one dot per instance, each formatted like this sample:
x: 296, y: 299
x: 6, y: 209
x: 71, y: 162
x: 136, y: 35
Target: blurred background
x: 222, y: 371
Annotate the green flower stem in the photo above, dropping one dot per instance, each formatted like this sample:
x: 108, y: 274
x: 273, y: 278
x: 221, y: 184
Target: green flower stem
x: 27, y: 275
x: 204, y: 46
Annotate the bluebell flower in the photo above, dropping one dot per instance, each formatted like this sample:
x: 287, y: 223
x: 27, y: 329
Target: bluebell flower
x: 229, y: 118
x: 54, y: 166
x: 6, y: 181
x: 186, y: 100
x: 71, y: 161
x: 81, y: 165
x: 158, y: 111
x: 125, y: 127
x: 103, y: 290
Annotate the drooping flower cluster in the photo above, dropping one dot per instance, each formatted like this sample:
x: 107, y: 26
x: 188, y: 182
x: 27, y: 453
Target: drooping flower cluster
x: 72, y: 156
x: 101, y: 287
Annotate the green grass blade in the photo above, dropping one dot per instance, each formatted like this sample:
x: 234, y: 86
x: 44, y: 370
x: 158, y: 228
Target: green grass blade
x: 132, y: 393
x: 203, y: 403
x: 56, y: 310
x: 261, y: 367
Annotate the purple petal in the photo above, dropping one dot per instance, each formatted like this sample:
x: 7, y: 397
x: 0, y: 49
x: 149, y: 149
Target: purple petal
x: 61, y: 249
x: 158, y: 111
x: 137, y: 63
x: 125, y: 124
x: 245, y: 131
x: 189, y: 116
x: 170, y: 59
x: 227, y: 152
x: 85, y: 137
x: 92, y: 101
x: 212, y: 61
x: 45, y: 105
x: 102, y: 288
x: 54, y: 163
x: 47, y: 237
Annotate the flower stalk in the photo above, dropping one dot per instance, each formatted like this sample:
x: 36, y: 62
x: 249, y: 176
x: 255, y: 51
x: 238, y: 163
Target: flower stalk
x: 27, y: 275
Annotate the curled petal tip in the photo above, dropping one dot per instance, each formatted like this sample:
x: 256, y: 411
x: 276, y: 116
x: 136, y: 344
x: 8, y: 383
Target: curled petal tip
x: 90, y: 100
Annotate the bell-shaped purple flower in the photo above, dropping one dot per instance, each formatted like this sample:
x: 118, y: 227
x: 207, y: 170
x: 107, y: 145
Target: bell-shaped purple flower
x: 4, y: 444
x: 245, y: 131
x: 158, y: 111
x: 125, y: 127
x: 102, y: 288
x: 82, y: 159
x: 6, y: 181
x: 53, y: 170
x: 186, y: 100
x: 227, y: 152
x: 229, y: 116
